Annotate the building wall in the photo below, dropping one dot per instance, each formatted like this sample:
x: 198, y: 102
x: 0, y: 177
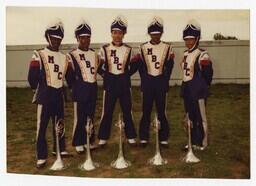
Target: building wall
x: 231, y: 61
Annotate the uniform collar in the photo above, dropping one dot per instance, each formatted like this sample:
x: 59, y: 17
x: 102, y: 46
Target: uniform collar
x: 51, y: 49
x: 193, y: 49
x: 117, y: 45
x: 155, y: 43
x: 83, y: 49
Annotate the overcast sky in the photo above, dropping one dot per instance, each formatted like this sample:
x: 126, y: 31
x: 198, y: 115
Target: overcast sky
x: 26, y: 25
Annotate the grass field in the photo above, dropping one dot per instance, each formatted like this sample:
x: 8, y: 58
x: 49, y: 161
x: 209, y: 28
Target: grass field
x: 228, y: 156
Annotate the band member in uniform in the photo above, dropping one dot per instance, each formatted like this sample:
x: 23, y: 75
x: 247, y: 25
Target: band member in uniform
x: 155, y: 63
x: 197, y: 76
x: 46, y: 73
x: 115, y: 59
x: 84, y: 62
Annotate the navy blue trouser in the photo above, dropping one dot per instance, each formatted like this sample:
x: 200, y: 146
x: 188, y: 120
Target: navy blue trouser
x: 110, y: 99
x: 149, y: 97
x: 83, y: 109
x: 193, y: 110
x: 55, y: 111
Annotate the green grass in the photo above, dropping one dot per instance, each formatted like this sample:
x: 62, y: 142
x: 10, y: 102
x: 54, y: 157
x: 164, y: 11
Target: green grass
x: 228, y: 155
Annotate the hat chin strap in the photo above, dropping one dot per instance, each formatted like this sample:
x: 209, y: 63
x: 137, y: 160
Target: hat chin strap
x: 195, y: 45
x: 49, y: 40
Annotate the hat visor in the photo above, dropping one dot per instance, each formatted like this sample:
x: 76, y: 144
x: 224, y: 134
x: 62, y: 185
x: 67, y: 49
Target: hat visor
x: 84, y: 35
x: 116, y: 29
x: 189, y: 37
x: 56, y: 36
x: 155, y: 32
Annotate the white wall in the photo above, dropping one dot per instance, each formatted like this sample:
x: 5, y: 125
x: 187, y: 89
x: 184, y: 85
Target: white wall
x: 231, y: 61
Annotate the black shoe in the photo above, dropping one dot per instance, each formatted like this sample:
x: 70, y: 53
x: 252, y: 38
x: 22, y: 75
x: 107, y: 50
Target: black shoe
x: 184, y: 148
x: 198, y: 147
x: 132, y: 144
x: 40, y: 164
x: 93, y: 146
x: 102, y: 143
x: 101, y: 146
x: 165, y: 146
x: 143, y: 145
x: 79, y: 149
x: 63, y: 154
x: 80, y: 152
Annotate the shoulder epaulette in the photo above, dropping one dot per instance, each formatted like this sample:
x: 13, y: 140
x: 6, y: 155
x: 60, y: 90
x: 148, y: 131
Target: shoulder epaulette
x: 62, y: 52
x: 143, y: 43
x: 106, y: 45
x: 39, y: 49
x: 72, y: 50
x: 36, y: 52
x: 201, y: 49
x: 166, y: 43
x: 127, y: 45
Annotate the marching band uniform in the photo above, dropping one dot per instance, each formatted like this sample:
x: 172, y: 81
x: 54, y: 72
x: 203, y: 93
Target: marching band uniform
x: 46, y: 73
x: 83, y: 81
x: 197, y: 75
x: 155, y: 66
x: 117, y: 85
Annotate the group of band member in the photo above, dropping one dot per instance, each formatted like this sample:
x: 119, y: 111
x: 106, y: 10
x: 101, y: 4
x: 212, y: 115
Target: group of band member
x: 116, y: 64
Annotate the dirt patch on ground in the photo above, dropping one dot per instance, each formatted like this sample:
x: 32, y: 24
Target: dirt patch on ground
x: 240, y: 171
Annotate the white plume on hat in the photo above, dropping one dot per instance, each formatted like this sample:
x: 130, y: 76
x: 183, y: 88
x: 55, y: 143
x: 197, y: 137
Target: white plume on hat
x: 83, y: 21
x: 195, y: 23
x: 157, y: 20
x: 122, y: 19
x: 55, y: 23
